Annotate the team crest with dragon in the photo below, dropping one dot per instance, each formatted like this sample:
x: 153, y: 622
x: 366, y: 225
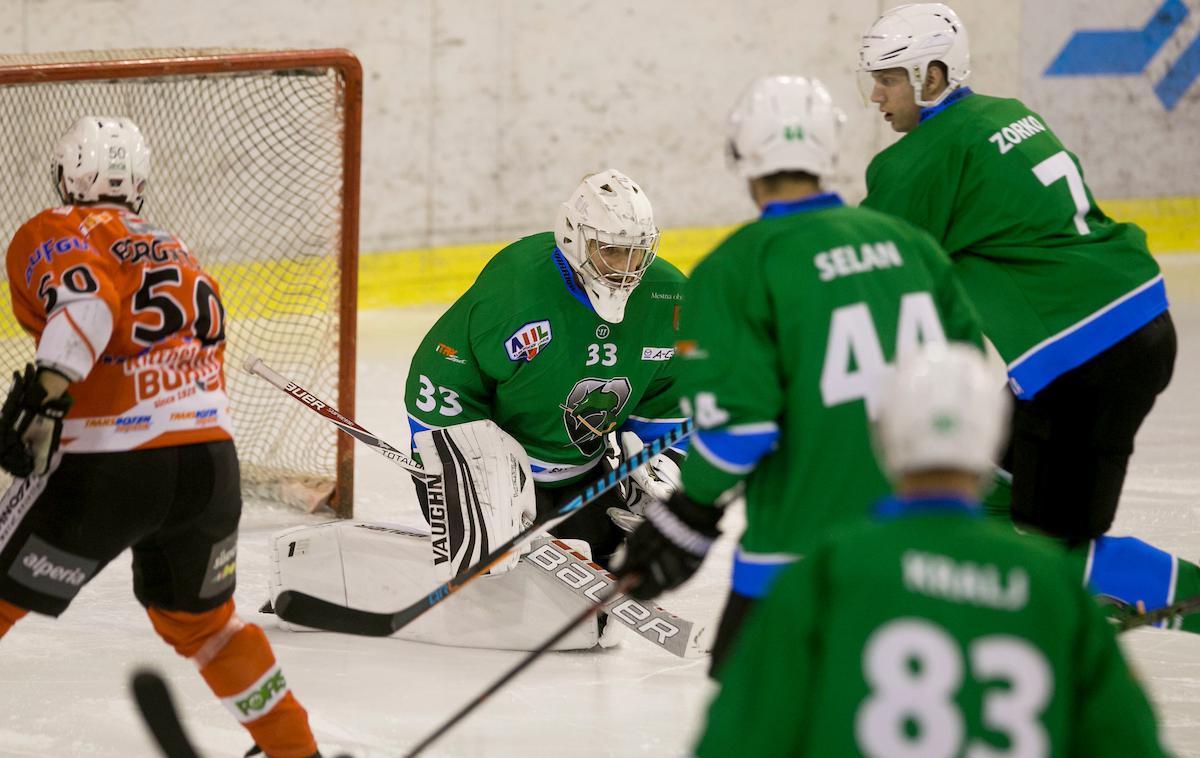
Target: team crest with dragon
x: 591, y: 411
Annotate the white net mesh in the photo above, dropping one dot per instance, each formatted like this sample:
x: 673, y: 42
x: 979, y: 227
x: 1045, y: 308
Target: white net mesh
x: 247, y: 170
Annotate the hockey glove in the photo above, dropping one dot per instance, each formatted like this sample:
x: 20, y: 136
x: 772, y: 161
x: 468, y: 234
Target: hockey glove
x: 670, y: 546
x: 30, y: 425
x: 656, y: 480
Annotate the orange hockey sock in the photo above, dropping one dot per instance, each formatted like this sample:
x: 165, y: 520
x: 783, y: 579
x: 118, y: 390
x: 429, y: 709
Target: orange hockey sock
x: 9, y: 615
x: 236, y: 661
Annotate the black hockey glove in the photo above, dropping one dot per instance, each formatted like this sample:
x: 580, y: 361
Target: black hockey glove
x: 670, y: 546
x: 30, y: 425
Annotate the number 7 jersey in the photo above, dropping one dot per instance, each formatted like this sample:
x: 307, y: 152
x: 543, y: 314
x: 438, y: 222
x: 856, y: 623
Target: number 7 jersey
x: 1056, y: 281
x: 159, y: 380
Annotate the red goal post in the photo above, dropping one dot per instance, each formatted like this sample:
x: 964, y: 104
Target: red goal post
x: 255, y: 163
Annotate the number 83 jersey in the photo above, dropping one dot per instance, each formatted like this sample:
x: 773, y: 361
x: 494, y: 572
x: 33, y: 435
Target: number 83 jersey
x: 930, y: 633
x: 524, y: 348
x: 159, y: 379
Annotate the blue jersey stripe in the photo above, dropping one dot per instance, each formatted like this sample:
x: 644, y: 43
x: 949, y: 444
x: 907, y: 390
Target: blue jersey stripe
x: 1080, y: 343
x: 415, y: 426
x: 1130, y: 570
x: 652, y: 428
x: 754, y: 575
x: 737, y: 451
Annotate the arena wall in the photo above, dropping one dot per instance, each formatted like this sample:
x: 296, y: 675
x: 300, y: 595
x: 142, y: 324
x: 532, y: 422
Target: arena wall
x: 481, y: 115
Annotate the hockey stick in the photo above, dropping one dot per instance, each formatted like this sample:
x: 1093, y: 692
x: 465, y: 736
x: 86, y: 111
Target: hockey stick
x: 255, y: 366
x: 307, y: 610
x: 158, y: 711
x: 560, y: 565
x: 563, y: 565
x: 623, y: 586
x: 1166, y: 613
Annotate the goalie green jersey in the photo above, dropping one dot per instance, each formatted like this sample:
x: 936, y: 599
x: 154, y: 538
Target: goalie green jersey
x: 1055, y: 280
x: 790, y: 324
x: 524, y: 348
x: 930, y: 633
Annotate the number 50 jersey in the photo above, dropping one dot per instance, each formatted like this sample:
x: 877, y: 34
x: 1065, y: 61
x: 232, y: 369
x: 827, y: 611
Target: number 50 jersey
x: 159, y: 380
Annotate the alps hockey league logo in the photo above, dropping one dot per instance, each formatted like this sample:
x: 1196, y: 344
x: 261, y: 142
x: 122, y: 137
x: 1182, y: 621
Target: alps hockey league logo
x: 528, y: 341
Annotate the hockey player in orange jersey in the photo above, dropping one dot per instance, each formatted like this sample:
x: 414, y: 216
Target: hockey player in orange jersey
x: 120, y: 437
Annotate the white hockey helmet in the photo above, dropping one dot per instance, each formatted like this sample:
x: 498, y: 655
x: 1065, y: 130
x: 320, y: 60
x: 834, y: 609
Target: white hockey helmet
x: 606, y: 232
x: 784, y: 123
x: 942, y: 409
x: 101, y: 158
x: 913, y: 36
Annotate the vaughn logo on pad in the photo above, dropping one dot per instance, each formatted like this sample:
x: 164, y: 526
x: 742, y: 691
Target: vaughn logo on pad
x: 528, y: 341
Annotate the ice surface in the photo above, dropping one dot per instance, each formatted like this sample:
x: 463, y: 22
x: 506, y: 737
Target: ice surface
x: 63, y: 684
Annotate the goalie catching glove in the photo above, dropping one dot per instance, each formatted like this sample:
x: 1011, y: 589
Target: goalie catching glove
x: 31, y: 424
x: 478, y: 488
x: 669, y: 547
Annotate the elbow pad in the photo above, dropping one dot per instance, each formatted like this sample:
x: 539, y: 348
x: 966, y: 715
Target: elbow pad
x: 74, y: 337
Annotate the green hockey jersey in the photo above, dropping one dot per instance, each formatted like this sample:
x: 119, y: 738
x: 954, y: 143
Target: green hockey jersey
x: 791, y: 323
x: 931, y: 633
x: 1055, y: 280
x: 524, y: 348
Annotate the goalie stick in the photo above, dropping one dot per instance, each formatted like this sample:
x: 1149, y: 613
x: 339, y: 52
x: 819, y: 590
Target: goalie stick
x: 623, y: 586
x: 255, y: 366
x: 307, y: 610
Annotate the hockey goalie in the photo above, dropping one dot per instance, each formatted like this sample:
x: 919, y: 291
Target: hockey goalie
x: 480, y: 494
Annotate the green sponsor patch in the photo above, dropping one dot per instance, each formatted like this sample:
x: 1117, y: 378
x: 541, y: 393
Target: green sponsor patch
x: 258, y: 700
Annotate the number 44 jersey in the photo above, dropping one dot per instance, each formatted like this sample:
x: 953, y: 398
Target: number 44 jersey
x: 159, y: 380
x: 792, y: 323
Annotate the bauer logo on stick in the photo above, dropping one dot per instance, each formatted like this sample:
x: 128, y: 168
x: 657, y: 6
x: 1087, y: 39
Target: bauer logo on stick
x: 305, y: 396
x: 528, y: 341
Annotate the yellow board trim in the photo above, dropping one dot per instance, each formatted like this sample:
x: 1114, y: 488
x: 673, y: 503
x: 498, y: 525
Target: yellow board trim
x: 439, y: 275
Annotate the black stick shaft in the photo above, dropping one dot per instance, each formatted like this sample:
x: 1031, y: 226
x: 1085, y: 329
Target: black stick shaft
x: 1166, y: 613
x: 158, y: 711
x: 623, y: 586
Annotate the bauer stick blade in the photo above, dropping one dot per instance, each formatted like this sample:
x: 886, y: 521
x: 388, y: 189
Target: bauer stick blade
x: 623, y: 586
x: 336, y: 617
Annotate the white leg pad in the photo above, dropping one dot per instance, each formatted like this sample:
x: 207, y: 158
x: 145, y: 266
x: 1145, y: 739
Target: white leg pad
x: 385, y: 567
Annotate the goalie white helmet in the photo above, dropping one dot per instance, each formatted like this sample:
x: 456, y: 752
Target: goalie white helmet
x: 101, y: 158
x: 942, y: 410
x: 784, y: 123
x: 606, y: 232
x: 913, y: 36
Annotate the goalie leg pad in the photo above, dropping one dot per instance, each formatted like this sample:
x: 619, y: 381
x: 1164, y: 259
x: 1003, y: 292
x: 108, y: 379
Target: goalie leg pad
x: 381, y: 567
x: 478, y: 489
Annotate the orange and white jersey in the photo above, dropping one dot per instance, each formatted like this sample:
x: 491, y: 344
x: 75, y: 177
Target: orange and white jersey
x: 123, y: 307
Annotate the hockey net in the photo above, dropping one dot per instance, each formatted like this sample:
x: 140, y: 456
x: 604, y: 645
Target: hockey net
x: 255, y: 166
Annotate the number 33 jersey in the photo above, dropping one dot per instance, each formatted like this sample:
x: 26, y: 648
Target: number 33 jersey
x: 159, y: 380
x: 524, y: 348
